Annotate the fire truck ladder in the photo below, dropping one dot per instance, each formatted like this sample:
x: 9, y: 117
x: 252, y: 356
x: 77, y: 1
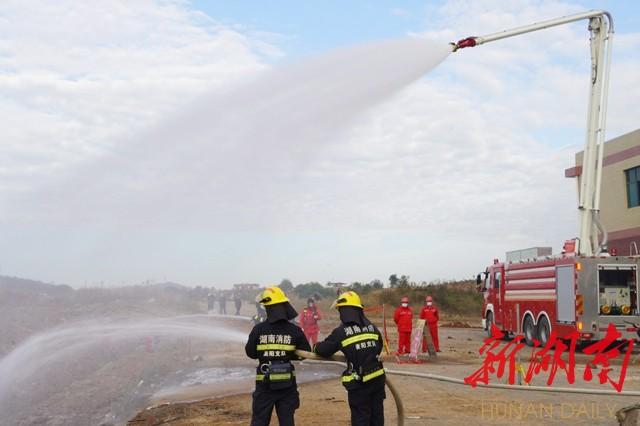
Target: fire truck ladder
x: 589, y: 183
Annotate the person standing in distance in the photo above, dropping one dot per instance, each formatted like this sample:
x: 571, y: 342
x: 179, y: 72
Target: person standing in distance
x: 309, y: 321
x: 222, y: 302
x: 403, y: 317
x: 237, y: 299
x: 273, y: 343
x: 361, y: 343
x: 431, y: 316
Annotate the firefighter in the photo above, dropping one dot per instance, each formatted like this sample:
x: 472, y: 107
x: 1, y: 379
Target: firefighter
x: 361, y: 343
x: 273, y: 342
x: 403, y: 317
x: 431, y: 316
x: 309, y: 321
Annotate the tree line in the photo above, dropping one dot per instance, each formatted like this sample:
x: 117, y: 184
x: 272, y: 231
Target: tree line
x: 395, y: 282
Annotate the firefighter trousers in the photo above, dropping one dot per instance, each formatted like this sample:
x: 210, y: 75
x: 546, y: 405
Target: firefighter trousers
x: 285, y: 401
x: 366, y: 404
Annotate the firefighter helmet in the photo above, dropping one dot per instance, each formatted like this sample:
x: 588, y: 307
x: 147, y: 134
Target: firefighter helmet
x: 272, y: 296
x: 348, y: 298
x: 428, y: 299
x: 404, y: 299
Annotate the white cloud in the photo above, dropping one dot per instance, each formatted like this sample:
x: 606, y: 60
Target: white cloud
x: 434, y: 182
x: 472, y: 157
x: 79, y: 76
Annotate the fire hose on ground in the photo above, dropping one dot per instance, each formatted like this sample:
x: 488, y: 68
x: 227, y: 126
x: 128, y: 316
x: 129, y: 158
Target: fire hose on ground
x: 340, y: 360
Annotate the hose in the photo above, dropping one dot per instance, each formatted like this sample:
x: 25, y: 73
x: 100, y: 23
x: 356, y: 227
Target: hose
x: 341, y: 360
x: 514, y: 387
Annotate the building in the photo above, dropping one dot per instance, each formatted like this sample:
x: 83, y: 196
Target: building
x: 620, y: 194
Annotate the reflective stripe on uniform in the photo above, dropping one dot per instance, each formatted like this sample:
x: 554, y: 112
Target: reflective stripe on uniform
x: 359, y: 338
x: 280, y: 376
x: 277, y: 347
x: 373, y: 375
x: 353, y: 376
x: 349, y: 378
x: 276, y: 377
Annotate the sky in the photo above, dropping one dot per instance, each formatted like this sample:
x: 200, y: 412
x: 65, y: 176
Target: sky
x: 212, y: 143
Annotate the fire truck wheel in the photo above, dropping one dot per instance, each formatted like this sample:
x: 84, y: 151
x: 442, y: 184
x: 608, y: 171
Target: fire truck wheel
x: 529, y: 330
x: 544, y: 330
x: 489, y: 322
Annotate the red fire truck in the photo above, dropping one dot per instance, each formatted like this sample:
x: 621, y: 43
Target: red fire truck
x: 584, y: 289
x: 564, y: 293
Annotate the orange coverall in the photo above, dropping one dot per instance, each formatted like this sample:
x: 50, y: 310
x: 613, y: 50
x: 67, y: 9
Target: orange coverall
x: 431, y: 315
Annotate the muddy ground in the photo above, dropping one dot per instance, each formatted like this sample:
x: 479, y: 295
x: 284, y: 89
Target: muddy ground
x: 324, y: 402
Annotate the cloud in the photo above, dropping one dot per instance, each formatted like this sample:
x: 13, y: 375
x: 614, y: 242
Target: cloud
x: 77, y: 77
x: 471, y: 158
x: 107, y: 163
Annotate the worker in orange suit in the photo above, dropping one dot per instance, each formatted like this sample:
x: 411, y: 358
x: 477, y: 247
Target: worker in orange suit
x: 309, y: 321
x: 403, y: 317
x: 431, y: 316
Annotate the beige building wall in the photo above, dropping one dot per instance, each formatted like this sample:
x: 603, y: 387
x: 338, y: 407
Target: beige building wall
x: 621, y: 221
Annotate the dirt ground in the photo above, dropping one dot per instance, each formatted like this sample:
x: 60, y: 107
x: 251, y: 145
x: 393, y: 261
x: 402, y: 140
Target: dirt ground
x: 324, y: 402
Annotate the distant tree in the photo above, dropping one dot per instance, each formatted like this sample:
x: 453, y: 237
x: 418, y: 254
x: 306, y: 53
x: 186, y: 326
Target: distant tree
x: 376, y: 284
x: 310, y: 289
x: 366, y: 288
x: 356, y: 286
x: 403, y: 281
x: 286, y: 285
x: 393, y: 280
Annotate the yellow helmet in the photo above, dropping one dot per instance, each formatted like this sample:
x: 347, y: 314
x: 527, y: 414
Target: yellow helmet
x: 272, y: 296
x: 348, y: 298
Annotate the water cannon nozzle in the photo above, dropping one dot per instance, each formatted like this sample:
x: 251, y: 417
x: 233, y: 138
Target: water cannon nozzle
x: 465, y: 42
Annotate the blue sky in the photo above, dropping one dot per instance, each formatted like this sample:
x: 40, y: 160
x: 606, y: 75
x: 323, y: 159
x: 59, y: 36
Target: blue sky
x: 310, y: 27
x: 313, y: 26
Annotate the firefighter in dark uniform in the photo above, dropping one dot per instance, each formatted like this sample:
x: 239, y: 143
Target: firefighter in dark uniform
x: 361, y: 343
x: 273, y: 342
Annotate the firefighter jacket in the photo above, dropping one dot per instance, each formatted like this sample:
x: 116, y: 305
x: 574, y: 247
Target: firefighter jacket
x: 274, y: 345
x: 309, y: 319
x: 361, y: 345
x: 403, y: 317
x: 430, y: 313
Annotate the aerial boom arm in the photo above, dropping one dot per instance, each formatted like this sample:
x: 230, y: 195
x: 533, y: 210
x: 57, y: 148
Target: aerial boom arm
x: 589, y: 183
x: 476, y: 41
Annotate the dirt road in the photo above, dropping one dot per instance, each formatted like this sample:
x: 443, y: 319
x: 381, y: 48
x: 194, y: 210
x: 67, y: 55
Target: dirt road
x: 426, y: 401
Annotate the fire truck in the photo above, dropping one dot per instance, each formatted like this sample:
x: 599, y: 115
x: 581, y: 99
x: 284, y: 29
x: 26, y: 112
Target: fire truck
x: 585, y: 288
x: 565, y: 293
